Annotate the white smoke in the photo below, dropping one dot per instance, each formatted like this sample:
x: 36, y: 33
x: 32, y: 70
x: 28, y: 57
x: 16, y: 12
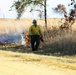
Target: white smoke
x: 22, y: 40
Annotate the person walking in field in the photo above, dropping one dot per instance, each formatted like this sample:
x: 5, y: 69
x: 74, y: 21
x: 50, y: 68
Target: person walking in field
x: 35, y: 33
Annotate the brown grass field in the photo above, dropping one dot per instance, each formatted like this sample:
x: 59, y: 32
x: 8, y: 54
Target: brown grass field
x: 55, y: 40
x: 13, y: 63
x: 57, y: 57
x: 12, y: 25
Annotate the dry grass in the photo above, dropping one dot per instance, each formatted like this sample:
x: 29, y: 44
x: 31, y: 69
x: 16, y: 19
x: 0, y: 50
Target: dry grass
x: 59, y: 62
x: 55, y: 40
x: 64, y: 44
x: 12, y: 25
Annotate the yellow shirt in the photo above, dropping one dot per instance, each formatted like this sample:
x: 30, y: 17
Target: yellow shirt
x: 35, y: 30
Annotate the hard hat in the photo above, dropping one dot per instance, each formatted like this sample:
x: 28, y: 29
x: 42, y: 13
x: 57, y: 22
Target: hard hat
x: 34, y: 21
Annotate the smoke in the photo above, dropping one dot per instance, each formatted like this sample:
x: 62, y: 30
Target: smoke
x: 22, y: 40
x: 10, y: 38
x: 19, y: 29
x: 12, y: 34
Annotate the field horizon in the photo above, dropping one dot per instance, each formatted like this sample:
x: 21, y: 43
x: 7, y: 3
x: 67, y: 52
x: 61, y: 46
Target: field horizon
x: 12, y: 25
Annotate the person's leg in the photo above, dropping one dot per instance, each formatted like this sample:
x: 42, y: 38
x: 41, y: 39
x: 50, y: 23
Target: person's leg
x: 32, y: 43
x: 37, y: 42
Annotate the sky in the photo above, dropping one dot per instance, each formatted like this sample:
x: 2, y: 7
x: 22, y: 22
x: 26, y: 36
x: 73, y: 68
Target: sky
x: 6, y: 4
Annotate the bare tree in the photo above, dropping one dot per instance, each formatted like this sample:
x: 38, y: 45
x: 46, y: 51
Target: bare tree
x: 40, y: 13
x: 20, y: 6
x: 45, y: 12
x: 69, y: 18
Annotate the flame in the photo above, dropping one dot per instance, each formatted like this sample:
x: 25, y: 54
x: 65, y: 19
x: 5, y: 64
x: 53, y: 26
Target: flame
x: 26, y: 39
x: 40, y: 47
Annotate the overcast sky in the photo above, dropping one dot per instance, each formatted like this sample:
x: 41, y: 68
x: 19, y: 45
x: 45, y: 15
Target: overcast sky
x: 6, y: 4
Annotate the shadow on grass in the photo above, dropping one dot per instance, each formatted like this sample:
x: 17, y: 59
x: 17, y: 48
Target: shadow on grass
x: 23, y: 49
x: 51, y: 49
x: 20, y: 49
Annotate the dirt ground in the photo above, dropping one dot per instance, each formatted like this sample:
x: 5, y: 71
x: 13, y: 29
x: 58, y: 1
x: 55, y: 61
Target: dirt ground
x: 17, y: 66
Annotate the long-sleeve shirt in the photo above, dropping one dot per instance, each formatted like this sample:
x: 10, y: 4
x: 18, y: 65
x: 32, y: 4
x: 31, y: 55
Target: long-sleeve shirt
x: 35, y: 30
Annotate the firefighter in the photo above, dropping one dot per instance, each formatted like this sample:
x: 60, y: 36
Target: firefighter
x: 35, y: 33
